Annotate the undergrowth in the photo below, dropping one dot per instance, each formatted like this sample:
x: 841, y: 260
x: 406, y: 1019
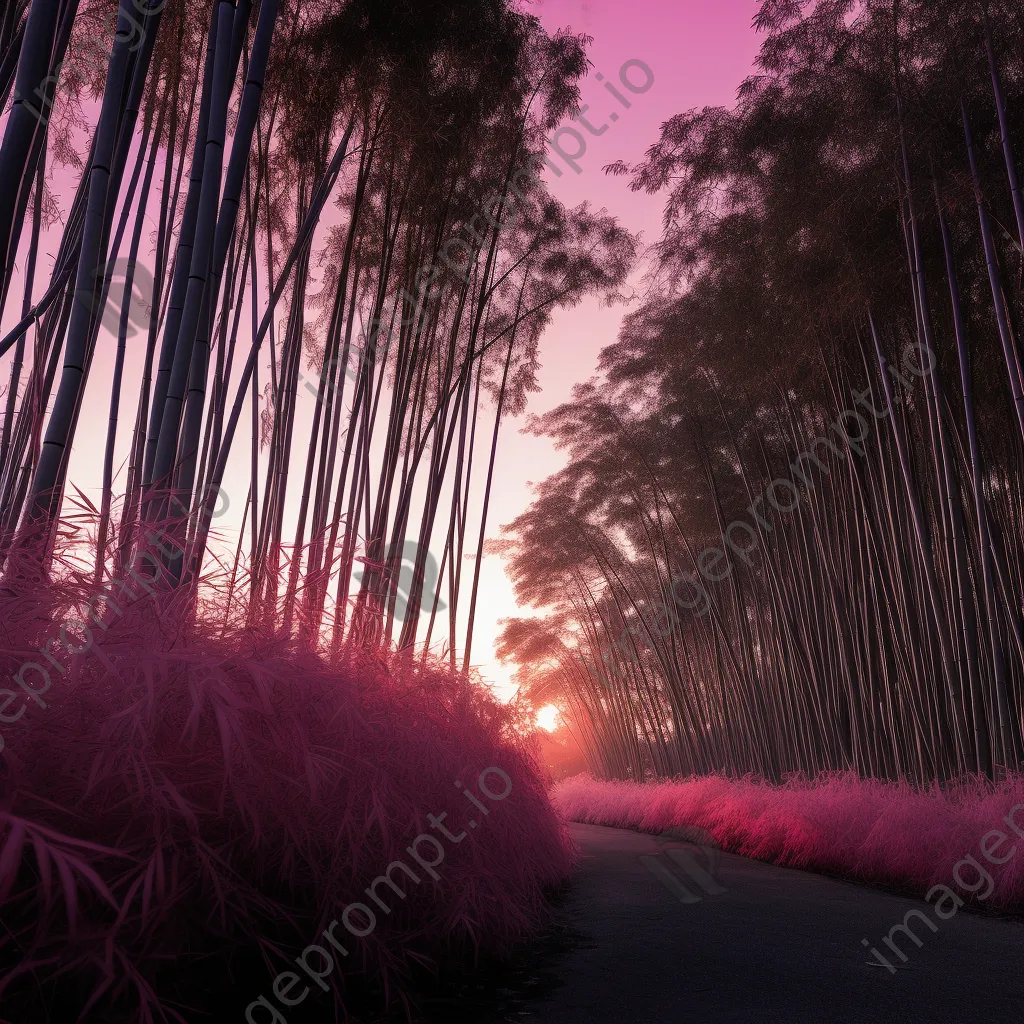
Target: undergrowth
x: 182, y: 803
x: 867, y: 830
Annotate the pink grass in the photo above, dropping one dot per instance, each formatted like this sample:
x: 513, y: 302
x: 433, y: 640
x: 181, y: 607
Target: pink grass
x: 883, y: 833
x: 184, y: 795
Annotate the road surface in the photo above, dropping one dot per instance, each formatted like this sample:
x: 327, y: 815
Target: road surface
x: 778, y: 946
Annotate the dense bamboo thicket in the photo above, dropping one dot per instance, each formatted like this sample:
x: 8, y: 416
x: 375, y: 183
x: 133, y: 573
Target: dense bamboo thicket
x: 789, y: 536
x: 323, y: 224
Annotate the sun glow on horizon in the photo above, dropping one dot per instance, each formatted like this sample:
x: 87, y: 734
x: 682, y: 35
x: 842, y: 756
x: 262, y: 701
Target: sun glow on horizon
x: 548, y: 718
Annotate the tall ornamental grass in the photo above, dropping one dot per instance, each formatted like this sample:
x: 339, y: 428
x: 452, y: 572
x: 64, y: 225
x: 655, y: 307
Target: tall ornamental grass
x: 866, y: 830
x: 188, y: 802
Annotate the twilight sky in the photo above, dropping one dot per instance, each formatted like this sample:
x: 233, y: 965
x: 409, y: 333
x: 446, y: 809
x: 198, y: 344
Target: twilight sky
x: 699, y: 52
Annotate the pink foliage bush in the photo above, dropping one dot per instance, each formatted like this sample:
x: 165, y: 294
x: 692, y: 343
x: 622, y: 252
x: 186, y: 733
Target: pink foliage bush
x: 184, y: 796
x: 884, y: 833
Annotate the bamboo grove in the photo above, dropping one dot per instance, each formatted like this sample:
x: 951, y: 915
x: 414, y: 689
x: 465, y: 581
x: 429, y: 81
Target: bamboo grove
x: 789, y: 537
x: 345, y: 263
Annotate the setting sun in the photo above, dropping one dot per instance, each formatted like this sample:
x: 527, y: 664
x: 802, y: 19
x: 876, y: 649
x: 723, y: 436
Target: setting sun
x: 548, y: 718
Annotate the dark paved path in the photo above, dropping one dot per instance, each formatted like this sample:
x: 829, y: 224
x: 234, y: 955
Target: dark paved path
x: 777, y: 946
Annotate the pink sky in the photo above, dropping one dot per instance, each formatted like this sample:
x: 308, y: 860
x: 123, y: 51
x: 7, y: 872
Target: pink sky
x: 698, y: 52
